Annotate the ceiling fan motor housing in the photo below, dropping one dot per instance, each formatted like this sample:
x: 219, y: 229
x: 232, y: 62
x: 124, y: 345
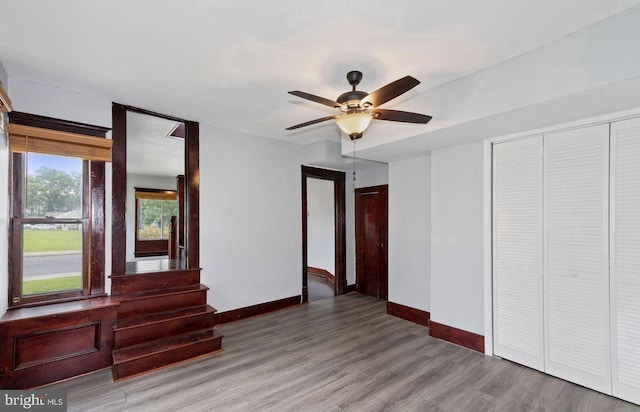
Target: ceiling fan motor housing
x: 352, y: 98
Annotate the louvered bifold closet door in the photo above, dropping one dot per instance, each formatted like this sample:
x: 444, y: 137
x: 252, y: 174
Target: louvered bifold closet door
x: 625, y: 258
x: 517, y: 251
x: 577, y: 339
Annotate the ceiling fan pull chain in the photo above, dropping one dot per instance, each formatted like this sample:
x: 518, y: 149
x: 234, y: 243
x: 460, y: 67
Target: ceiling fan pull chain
x: 354, y: 164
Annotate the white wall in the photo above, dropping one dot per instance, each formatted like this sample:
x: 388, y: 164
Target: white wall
x: 321, y: 224
x: 410, y: 232
x: 250, y: 218
x: 45, y: 100
x: 4, y: 202
x: 457, y: 266
x: 147, y: 182
x: 4, y: 78
x: 371, y: 175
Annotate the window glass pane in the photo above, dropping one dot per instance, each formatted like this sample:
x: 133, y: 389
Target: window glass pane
x: 54, y: 186
x: 149, y: 219
x: 51, y: 258
x: 154, y: 217
x: 169, y: 208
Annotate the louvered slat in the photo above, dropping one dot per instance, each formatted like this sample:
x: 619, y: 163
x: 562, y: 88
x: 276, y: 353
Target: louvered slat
x: 517, y: 261
x: 576, y: 289
x: 625, y: 258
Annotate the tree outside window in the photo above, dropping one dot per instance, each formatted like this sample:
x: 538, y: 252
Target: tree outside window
x: 154, y: 209
x: 154, y: 217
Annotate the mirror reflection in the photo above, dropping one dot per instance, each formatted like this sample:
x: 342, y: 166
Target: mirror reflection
x: 155, y: 193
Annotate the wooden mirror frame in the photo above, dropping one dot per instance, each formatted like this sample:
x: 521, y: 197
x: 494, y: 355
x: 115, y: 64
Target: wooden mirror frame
x: 119, y: 188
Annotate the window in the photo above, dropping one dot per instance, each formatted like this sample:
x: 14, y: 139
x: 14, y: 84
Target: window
x: 54, y: 219
x: 57, y: 215
x: 154, y: 209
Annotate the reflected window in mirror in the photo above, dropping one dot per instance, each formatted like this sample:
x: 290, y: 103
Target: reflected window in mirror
x: 154, y: 211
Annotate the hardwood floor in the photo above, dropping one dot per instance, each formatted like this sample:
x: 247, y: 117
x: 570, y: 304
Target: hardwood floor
x: 336, y: 354
x: 319, y: 287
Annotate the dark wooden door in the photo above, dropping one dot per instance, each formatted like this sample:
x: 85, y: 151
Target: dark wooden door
x: 371, y: 241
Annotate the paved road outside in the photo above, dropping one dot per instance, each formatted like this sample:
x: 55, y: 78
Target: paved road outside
x: 50, y: 265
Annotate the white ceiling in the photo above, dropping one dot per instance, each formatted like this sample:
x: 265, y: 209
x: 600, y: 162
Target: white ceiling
x: 150, y: 149
x: 230, y: 63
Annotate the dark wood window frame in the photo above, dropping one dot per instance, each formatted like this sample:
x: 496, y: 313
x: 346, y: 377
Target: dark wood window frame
x: 93, y: 217
x: 153, y: 247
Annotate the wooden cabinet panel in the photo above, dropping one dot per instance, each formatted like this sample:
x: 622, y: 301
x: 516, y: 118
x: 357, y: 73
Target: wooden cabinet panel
x: 56, y: 344
x: 46, y: 344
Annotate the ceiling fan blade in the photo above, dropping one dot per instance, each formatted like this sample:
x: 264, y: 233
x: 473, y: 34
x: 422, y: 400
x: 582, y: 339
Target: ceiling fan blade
x: 316, y: 99
x: 390, y: 91
x: 400, y: 116
x: 310, y: 122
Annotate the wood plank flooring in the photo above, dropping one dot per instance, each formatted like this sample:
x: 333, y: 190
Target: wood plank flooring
x: 319, y: 287
x: 336, y: 354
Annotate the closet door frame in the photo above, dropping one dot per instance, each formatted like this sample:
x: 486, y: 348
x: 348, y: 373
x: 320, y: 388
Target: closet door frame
x: 487, y: 200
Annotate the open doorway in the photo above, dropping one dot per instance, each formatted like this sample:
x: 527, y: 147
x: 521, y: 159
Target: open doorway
x: 320, y: 238
x: 322, y: 190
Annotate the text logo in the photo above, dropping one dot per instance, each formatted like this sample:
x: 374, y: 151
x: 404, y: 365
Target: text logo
x: 33, y: 400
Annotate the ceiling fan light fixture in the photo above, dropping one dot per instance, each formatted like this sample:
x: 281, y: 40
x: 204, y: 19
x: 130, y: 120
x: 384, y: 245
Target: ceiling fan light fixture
x: 359, y: 108
x: 354, y: 123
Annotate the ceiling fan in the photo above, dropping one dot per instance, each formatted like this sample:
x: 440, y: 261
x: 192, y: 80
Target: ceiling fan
x: 359, y: 108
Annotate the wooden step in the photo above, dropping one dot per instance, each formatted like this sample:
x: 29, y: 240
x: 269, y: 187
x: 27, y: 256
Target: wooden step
x: 139, y: 329
x: 142, y: 303
x: 145, y: 357
x: 146, y: 281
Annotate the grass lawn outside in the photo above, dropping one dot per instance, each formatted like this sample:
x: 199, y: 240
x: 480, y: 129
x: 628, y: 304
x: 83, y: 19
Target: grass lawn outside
x: 31, y: 287
x: 52, y: 240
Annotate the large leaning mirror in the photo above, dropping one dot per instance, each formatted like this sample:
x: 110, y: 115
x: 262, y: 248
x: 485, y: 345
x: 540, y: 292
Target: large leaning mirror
x: 155, y: 192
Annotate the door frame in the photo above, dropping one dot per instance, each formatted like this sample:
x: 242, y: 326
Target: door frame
x: 340, y: 253
x: 371, y: 190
